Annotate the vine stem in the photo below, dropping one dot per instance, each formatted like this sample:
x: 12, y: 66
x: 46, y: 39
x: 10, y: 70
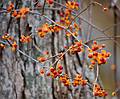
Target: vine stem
x: 96, y: 78
x: 97, y: 74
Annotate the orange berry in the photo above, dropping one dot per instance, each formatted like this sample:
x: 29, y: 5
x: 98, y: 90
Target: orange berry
x: 103, y: 45
x: 105, y: 93
x: 83, y: 82
x: 90, y: 55
x: 10, y: 7
x: 61, y: 14
x: 95, y: 47
x: 65, y: 46
x: 76, y: 4
x: 60, y: 67
x: 14, y: 46
x: 95, y: 53
x: 50, y: 1
x: 103, y: 60
x: 55, y: 76
x: 52, y: 69
x: 114, y: 94
x: 95, y: 93
x: 41, y: 59
x: 54, y: 72
x: 78, y: 43
x: 93, y: 62
x: 105, y: 9
x: 91, y: 66
x: 46, y: 52
x: 94, y: 42
x: 60, y: 71
x: 14, y: 13
x: 42, y: 71
x: 39, y: 29
x: 48, y: 74
x: 107, y: 54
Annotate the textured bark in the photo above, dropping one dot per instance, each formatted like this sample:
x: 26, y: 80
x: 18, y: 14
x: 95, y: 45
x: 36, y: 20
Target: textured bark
x: 19, y: 75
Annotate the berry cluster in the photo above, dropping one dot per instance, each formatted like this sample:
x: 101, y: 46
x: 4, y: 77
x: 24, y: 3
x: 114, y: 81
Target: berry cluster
x: 42, y: 71
x: 65, y: 20
x: 72, y: 5
x: 55, y: 28
x: 2, y: 46
x: 97, y: 55
x: 17, y: 14
x: 65, y: 80
x: 97, y: 91
x: 7, y: 37
x: 25, y: 39
x: 10, y: 38
x: 78, y: 80
x: 21, y: 13
x: 77, y: 47
x: 10, y: 7
x: 54, y: 73
x: 73, y: 29
x: 45, y: 28
x: 14, y: 46
x: 65, y: 17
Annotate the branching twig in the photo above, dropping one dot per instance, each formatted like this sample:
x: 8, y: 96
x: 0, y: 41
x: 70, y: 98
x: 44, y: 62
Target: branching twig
x: 102, y: 31
x: 80, y: 13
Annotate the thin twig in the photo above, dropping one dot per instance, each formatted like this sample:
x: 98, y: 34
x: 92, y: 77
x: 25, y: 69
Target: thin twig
x: 109, y: 27
x: 102, y: 31
x: 60, y: 57
x: 101, y: 38
x: 96, y: 78
x: 27, y: 56
x: 97, y: 74
x: 20, y: 51
x: 47, y: 8
x: 43, y: 7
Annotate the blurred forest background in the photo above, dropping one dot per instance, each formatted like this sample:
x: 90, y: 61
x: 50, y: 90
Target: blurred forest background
x: 19, y: 72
